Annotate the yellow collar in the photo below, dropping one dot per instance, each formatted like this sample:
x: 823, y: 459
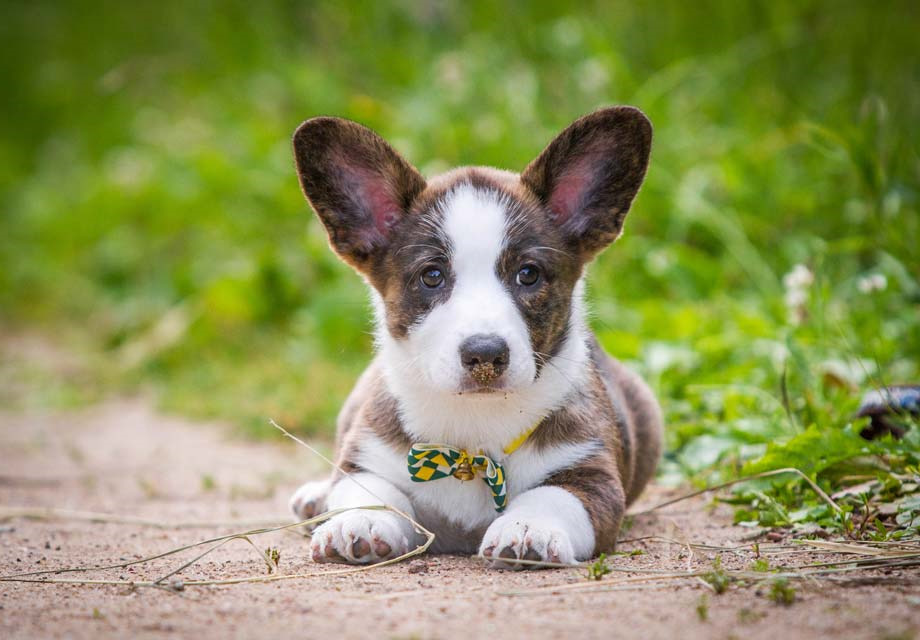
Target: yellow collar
x: 516, y: 444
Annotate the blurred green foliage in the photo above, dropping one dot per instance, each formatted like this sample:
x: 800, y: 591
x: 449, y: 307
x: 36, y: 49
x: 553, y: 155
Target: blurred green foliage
x: 150, y: 207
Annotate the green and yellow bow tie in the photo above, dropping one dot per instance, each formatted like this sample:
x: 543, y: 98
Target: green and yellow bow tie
x: 435, y: 461
x: 429, y: 461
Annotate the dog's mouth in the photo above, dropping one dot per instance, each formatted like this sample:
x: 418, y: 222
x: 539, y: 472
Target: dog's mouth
x: 470, y: 386
x: 479, y: 391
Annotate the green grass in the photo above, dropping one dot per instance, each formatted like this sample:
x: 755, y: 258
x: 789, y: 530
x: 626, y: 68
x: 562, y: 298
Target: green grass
x: 151, y: 214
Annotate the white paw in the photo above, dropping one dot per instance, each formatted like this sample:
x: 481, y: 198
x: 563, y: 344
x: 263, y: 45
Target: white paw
x: 360, y: 537
x: 511, y: 537
x: 310, y: 499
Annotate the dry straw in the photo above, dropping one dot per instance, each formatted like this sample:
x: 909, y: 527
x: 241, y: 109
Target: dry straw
x: 857, y: 556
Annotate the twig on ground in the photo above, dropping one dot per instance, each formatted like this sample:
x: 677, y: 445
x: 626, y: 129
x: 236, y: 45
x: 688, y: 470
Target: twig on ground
x: 859, y: 556
x: 803, y: 573
x: 52, y: 513
x: 33, y: 576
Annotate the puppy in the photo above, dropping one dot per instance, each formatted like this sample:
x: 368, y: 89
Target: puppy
x: 490, y: 413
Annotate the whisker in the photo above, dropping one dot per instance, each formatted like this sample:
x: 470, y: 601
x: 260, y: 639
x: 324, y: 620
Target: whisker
x: 559, y: 371
x: 546, y: 360
x: 544, y: 248
x: 549, y: 357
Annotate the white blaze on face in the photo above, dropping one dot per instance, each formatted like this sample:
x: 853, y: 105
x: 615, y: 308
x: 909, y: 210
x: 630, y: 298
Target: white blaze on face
x: 479, y: 303
x: 423, y: 370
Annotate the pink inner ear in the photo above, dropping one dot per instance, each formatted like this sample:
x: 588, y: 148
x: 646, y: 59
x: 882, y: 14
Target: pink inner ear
x: 382, y: 204
x: 569, y: 191
x: 374, y: 194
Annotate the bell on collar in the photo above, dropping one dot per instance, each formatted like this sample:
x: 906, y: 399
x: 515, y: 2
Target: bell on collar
x: 464, y: 472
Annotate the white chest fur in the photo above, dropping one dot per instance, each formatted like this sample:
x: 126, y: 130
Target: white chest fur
x: 468, y: 505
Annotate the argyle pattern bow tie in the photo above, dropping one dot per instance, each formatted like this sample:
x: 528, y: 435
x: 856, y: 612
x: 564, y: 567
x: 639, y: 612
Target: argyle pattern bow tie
x: 435, y: 461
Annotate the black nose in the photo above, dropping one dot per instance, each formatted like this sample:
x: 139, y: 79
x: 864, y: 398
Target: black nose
x: 485, y: 355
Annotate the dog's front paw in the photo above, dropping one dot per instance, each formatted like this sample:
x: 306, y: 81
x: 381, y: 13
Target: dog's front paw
x: 359, y: 537
x: 309, y: 500
x: 511, y: 538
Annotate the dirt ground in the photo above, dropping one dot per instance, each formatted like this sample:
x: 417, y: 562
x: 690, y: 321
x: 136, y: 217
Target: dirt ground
x: 124, y: 458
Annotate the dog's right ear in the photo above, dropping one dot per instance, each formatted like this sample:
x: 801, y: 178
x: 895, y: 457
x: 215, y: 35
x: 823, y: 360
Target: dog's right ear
x: 357, y: 183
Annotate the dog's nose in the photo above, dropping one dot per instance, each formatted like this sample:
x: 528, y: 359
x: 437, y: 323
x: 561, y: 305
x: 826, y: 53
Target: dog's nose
x: 485, y: 356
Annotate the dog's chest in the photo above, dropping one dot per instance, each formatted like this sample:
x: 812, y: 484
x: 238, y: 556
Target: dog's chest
x: 459, y: 511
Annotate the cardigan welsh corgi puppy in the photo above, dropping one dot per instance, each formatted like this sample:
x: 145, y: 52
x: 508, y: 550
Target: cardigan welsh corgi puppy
x: 490, y: 414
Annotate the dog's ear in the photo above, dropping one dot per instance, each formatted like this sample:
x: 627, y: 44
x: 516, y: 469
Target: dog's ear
x: 589, y: 174
x: 358, y: 184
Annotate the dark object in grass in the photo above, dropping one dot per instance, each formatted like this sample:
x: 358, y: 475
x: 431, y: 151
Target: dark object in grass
x: 883, y: 405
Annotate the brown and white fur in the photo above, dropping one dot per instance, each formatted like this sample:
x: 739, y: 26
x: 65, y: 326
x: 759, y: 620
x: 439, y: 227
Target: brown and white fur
x: 477, y: 283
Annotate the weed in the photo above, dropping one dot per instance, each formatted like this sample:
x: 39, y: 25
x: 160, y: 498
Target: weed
x: 273, y: 554
x: 717, y: 578
x: 151, y: 491
x: 748, y: 616
x: 781, y: 592
x: 208, y: 483
x: 702, y: 608
x: 881, y: 533
x: 760, y: 564
x: 599, y: 568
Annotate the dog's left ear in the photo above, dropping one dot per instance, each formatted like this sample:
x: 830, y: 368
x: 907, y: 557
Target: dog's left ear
x: 589, y: 174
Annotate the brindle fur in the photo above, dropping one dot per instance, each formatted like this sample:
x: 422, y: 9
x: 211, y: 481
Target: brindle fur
x: 615, y: 407
x: 607, y: 150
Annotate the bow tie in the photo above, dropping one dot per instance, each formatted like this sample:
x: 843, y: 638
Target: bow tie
x: 435, y: 461
x: 429, y: 461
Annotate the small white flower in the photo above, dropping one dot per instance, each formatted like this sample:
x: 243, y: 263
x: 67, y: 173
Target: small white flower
x: 796, y: 298
x: 872, y: 282
x: 800, y: 277
x: 797, y: 283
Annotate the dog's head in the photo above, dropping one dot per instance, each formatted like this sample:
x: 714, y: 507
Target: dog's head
x: 476, y: 270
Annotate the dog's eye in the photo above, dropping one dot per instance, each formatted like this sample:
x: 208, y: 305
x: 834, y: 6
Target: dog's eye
x: 528, y: 275
x: 432, y: 278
